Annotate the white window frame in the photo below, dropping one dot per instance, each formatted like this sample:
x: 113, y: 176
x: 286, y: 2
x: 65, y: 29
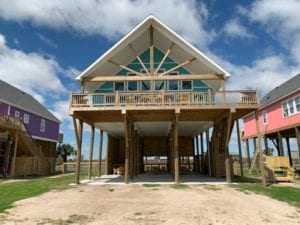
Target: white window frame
x: 186, y: 89
x: 26, y: 118
x: 174, y: 73
x: 265, y: 117
x: 43, y: 125
x: 287, y: 102
x: 17, y: 114
x: 124, y: 85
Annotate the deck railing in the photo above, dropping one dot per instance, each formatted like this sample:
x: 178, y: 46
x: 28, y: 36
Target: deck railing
x: 167, y: 98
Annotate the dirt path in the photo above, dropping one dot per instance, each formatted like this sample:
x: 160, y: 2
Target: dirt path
x: 132, y: 204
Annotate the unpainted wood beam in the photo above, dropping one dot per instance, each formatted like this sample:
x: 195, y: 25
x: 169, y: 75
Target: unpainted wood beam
x: 261, y: 156
x: 178, y: 66
x: 125, y: 67
x: 139, y: 59
x: 164, y: 58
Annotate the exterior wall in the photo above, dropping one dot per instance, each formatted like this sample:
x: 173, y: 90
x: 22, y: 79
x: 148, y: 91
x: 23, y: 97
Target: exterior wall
x: 51, y: 128
x: 275, y: 119
x: 197, y: 85
x: 3, y: 108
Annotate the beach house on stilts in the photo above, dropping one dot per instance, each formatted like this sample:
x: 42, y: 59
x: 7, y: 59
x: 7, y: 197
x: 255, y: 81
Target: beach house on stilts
x: 153, y: 93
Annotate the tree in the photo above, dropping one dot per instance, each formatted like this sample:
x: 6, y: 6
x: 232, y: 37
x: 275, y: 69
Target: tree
x: 65, y: 150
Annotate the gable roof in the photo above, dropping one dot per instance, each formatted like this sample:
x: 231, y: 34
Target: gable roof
x: 279, y: 92
x: 163, y: 37
x: 12, y: 95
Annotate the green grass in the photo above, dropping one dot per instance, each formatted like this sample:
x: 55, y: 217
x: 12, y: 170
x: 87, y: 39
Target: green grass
x: 11, y: 192
x: 151, y: 185
x: 286, y: 194
x: 180, y: 186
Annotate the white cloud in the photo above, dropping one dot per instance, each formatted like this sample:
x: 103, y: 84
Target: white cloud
x: 282, y: 20
x: 111, y: 18
x: 31, y: 72
x: 234, y: 28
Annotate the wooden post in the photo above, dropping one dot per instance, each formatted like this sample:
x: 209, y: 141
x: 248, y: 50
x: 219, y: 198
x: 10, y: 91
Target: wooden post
x: 137, y: 154
x: 100, y: 152
x: 202, y: 152
x: 91, y: 152
x: 12, y: 173
x: 297, y: 132
x: 289, y: 150
x: 240, y: 147
x: 78, y: 134
x: 176, y: 155
x: 248, y: 153
x: 227, y: 169
x: 266, y: 145
x: 126, y: 125
x: 208, y: 151
x: 197, y: 154
x: 280, y: 144
x: 131, y: 148
x: 261, y: 158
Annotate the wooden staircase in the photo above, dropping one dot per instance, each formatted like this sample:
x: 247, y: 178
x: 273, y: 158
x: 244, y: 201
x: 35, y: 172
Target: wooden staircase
x: 16, y: 127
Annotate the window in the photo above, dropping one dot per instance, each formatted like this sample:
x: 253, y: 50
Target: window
x: 26, y: 118
x: 297, y: 103
x: 159, y: 85
x: 264, y: 117
x: 291, y: 106
x: 119, y: 86
x: 173, y: 84
x: 145, y: 85
x: 17, y: 114
x: 43, y: 125
x: 186, y: 85
x: 132, y: 85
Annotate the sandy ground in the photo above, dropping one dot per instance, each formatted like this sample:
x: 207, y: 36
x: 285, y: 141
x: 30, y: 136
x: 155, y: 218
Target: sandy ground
x: 135, y: 204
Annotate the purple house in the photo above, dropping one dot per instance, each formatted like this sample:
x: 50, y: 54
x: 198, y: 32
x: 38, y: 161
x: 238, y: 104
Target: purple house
x: 28, y: 134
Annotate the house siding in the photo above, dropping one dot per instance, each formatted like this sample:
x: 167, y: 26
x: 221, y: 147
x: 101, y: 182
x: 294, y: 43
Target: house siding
x: 275, y: 118
x: 3, y: 108
x: 51, y: 128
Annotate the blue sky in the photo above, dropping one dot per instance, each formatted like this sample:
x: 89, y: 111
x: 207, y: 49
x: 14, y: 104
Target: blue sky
x: 45, y: 44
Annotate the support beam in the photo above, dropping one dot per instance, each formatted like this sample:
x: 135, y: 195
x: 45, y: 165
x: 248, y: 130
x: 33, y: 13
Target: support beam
x: 248, y: 153
x: 164, y: 58
x: 178, y: 66
x: 100, y: 152
x: 289, y: 150
x: 139, y: 59
x: 261, y: 158
x: 297, y: 132
x: 105, y: 78
x: 78, y: 135
x: 151, y: 52
x: 176, y: 154
x: 266, y: 145
x: 202, y: 152
x: 208, y: 151
x: 197, y: 155
x: 280, y: 144
x: 125, y: 68
x: 126, y: 125
x: 131, y: 149
x: 12, y: 173
x: 91, y: 152
x: 240, y: 147
x: 108, y: 154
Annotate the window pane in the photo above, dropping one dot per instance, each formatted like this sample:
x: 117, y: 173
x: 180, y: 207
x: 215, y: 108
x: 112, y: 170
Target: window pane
x: 132, y: 85
x: 159, y: 85
x: 145, y: 85
x: 119, y: 86
x: 186, y: 85
x: 42, y: 125
x: 285, y: 109
x: 173, y: 85
x: 297, y: 102
x: 17, y: 114
x: 291, y: 106
x: 264, y: 114
x: 26, y: 118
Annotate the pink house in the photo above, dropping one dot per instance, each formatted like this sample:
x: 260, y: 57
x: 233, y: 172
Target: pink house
x: 278, y: 117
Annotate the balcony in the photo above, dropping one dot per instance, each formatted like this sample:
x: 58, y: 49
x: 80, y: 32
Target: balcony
x: 117, y: 100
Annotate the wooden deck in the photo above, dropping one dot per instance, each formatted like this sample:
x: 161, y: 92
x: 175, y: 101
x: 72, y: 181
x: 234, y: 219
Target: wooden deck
x: 139, y: 100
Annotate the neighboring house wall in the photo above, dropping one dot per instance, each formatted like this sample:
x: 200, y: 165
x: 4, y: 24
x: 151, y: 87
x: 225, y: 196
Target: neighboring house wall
x: 34, y: 125
x: 275, y: 118
x: 3, y: 108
